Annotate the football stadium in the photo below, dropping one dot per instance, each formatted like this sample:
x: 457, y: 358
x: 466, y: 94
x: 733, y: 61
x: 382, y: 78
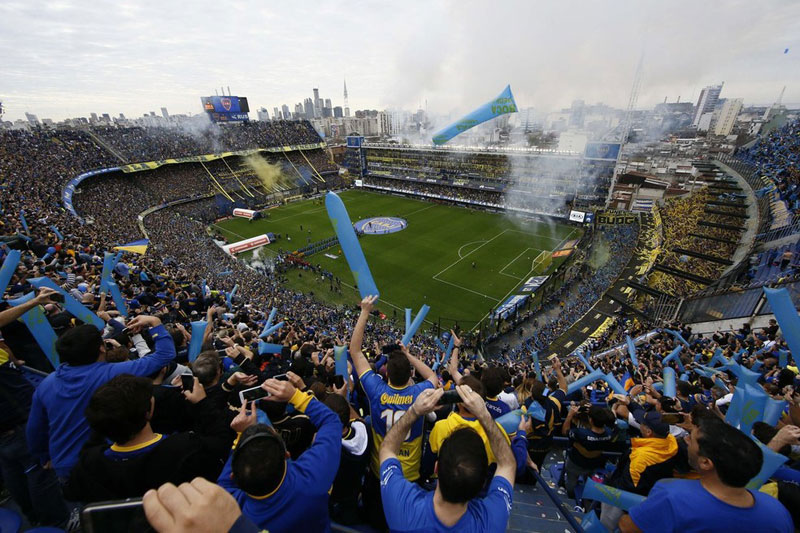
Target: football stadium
x: 582, y: 320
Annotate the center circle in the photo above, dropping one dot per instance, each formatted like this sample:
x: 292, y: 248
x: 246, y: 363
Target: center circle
x: 380, y: 225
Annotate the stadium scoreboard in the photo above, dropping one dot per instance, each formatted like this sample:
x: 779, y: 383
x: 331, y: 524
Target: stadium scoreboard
x: 226, y: 108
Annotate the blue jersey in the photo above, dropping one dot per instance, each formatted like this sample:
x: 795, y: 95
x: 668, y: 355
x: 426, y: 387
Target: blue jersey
x: 497, y: 408
x: 684, y: 505
x: 387, y: 404
x: 409, y: 508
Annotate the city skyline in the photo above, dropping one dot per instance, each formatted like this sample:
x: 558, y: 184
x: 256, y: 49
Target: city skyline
x: 63, y: 60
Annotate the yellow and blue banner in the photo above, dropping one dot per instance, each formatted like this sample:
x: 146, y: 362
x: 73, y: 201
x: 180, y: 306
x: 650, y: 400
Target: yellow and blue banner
x: 136, y: 247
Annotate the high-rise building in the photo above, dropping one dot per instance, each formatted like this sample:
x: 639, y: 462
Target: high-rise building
x: 577, y: 113
x: 317, y: 103
x: 337, y: 112
x: 263, y: 114
x: 32, y: 119
x: 346, y: 104
x: 298, y: 110
x: 276, y: 115
x: 709, y: 97
x: 328, y: 103
x: 726, y: 116
x: 286, y: 114
x: 164, y: 113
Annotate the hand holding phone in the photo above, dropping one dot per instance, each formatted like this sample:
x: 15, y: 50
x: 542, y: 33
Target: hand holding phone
x: 118, y: 515
x: 187, y: 381
x: 450, y: 397
x: 253, y: 394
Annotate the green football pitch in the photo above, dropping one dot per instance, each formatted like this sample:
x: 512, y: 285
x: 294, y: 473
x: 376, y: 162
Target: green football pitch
x: 429, y: 262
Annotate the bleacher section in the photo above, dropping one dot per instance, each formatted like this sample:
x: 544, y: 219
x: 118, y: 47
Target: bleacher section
x: 528, y: 181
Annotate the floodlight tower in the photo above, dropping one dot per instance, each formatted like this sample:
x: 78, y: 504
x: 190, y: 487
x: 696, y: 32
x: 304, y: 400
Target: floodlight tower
x: 627, y: 123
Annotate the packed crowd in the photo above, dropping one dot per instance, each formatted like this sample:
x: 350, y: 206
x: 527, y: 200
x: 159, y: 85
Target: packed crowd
x: 443, y: 192
x: 777, y: 157
x: 201, y: 423
x: 681, y: 218
x: 141, y: 144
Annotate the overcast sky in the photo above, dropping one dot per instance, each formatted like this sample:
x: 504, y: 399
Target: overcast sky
x: 69, y: 58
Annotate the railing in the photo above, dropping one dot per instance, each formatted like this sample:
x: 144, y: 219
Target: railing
x: 576, y: 527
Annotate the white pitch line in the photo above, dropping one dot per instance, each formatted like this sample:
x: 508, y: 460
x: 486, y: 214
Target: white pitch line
x: 470, y: 253
x: 419, y: 210
x: 226, y: 230
x: 466, y: 289
x: 462, y: 247
x: 510, y: 262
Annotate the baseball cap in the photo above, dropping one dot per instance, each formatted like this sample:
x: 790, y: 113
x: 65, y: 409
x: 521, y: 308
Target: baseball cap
x: 652, y: 419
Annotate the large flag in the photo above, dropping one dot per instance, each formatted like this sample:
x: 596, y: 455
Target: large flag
x: 137, y: 247
x: 627, y: 381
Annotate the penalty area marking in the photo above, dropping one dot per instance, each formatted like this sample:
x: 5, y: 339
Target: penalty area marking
x: 528, y: 274
x: 523, y: 252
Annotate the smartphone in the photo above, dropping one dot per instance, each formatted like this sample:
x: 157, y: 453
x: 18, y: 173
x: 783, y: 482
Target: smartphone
x: 57, y: 297
x: 252, y: 394
x: 450, y: 397
x: 338, y: 381
x: 673, y: 418
x: 281, y: 377
x: 120, y: 515
x: 389, y: 348
x: 187, y: 382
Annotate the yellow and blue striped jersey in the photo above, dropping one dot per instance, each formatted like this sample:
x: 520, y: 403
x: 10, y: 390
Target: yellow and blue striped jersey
x: 387, y: 404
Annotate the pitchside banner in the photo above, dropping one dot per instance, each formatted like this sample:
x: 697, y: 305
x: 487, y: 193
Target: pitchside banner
x: 534, y: 283
x: 510, y: 305
x: 501, y: 105
x: 245, y: 213
x: 247, y: 244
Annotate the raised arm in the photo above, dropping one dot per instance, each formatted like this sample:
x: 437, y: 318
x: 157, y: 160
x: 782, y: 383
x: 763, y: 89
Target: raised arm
x: 12, y: 313
x: 209, y: 331
x: 506, y: 463
x: 425, y: 403
x: 452, y: 364
x: 565, y: 427
x: 562, y: 381
x: 359, y: 361
x: 421, y: 368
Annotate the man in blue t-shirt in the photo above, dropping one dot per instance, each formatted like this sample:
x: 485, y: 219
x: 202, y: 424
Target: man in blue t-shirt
x: 462, y: 468
x: 389, y: 401
x: 726, y: 460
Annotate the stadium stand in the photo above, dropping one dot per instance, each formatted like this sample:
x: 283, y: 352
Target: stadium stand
x: 111, y: 419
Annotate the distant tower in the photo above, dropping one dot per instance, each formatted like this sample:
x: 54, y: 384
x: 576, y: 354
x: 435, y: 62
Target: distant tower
x: 346, y: 105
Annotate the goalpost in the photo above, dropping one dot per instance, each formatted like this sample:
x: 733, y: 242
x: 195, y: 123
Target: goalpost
x: 542, y: 262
